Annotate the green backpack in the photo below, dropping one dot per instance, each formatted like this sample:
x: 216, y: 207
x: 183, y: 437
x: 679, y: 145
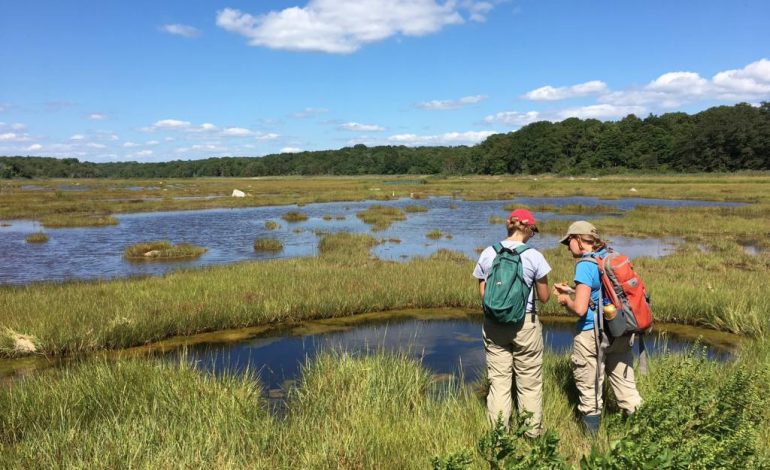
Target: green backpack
x: 506, y: 293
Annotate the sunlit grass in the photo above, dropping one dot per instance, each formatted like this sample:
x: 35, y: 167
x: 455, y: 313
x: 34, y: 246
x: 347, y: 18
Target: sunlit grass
x: 37, y: 237
x: 268, y: 244
x: 77, y: 220
x: 381, y: 217
x: 294, y: 216
x: 272, y: 225
x: 162, y: 251
x: 348, y: 410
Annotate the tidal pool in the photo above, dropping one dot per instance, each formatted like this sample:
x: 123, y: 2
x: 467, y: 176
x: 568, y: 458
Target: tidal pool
x: 97, y: 252
x: 446, y: 341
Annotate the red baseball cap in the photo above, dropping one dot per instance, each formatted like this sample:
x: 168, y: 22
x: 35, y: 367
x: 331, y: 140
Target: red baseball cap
x: 525, y: 217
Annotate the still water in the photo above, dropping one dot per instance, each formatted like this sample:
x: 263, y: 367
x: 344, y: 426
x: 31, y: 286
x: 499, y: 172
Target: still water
x: 96, y: 252
x: 446, y: 346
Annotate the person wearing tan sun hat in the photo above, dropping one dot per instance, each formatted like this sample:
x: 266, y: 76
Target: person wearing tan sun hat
x: 591, y: 350
x: 515, y: 350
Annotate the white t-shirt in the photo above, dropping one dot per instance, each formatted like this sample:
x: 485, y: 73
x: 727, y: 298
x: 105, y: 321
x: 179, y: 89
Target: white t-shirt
x: 533, y: 263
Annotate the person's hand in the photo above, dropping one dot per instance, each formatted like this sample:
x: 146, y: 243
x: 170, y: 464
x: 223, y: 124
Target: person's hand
x: 562, y: 288
x: 563, y: 299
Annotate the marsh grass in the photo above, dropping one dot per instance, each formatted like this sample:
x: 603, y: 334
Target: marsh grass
x: 162, y: 251
x: 77, y: 220
x: 363, y: 410
x: 294, y: 216
x: 38, y: 237
x: 434, y: 234
x: 381, y: 217
x: 268, y: 244
x: 120, y: 196
x: 716, y: 289
x: 415, y: 208
x: 496, y: 219
x: 272, y: 225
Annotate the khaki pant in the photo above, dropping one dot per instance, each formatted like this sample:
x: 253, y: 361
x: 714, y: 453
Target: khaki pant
x: 618, y: 366
x: 515, y: 358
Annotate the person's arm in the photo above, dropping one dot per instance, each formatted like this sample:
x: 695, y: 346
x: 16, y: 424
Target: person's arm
x: 482, y: 286
x: 578, y: 305
x: 543, y: 294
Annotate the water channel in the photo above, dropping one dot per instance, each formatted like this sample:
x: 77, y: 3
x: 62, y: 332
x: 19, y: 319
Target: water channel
x: 96, y: 252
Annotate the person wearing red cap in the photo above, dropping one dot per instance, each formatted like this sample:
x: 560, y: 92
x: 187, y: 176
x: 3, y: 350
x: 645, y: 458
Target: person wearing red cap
x: 516, y: 349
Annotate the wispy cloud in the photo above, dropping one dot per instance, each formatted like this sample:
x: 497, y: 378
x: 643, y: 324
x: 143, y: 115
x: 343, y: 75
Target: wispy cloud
x: 290, y: 150
x: 181, y: 30
x: 344, y: 26
x: 237, y: 132
x: 443, y: 105
x: 357, y: 127
x: 97, y: 116
x: 513, y: 118
x: 308, y: 112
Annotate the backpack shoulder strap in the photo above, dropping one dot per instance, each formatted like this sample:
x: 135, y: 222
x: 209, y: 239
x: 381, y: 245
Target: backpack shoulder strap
x: 521, y: 248
x: 498, y: 247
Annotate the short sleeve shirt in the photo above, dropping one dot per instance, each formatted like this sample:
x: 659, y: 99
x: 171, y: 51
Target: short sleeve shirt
x: 588, y: 273
x: 533, y: 262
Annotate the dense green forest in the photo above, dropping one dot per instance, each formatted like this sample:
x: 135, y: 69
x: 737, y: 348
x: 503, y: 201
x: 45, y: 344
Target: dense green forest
x: 724, y: 138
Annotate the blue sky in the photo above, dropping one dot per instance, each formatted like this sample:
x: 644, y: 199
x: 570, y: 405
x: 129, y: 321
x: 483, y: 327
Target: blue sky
x: 165, y: 80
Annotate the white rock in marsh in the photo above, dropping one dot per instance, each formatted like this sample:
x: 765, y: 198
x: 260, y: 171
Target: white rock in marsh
x: 633, y: 190
x: 23, y: 345
x: 152, y: 253
x: 238, y: 193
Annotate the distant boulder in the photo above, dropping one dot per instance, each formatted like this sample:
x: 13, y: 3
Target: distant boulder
x: 238, y: 193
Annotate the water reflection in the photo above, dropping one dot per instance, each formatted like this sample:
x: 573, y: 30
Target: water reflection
x: 96, y: 252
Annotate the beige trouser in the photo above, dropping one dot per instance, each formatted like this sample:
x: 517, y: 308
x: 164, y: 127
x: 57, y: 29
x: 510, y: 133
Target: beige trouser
x: 515, y: 351
x: 618, y: 365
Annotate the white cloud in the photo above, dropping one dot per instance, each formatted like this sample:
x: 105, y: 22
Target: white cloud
x: 344, y: 26
x: 236, y: 132
x: 34, y: 147
x: 208, y: 127
x: 267, y: 136
x: 443, y: 105
x: 752, y: 81
x: 78, y: 137
x: 449, y: 138
x: 168, y: 139
x: 130, y: 144
x: 97, y: 117
x: 152, y: 142
x: 357, y: 127
x: 598, y: 111
x: 170, y: 124
x: 14, y: 137
x: 181, y: 30
x: 308, y: 112
x: 290, y: 150
x: 143, y: 153
x: 94, y: 145
x: 513, y: 118
x: 549, y: 93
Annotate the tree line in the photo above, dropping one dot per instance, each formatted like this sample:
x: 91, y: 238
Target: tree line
x: 723, y: 138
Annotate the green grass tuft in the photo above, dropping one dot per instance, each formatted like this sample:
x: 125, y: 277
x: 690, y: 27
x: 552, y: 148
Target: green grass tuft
x: 162, y: 251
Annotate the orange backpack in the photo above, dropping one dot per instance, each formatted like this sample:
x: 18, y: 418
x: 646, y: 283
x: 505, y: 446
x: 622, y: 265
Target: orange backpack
x: 626, y: 291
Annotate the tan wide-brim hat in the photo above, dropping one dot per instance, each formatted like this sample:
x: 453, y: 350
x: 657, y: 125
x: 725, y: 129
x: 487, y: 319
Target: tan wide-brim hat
x: 581, y: 227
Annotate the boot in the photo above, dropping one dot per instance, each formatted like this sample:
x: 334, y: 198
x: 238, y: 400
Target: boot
x: 591, y: 423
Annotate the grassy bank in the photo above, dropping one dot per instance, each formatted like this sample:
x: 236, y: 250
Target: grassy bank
x: 375, y: 411
x: 717, y: 288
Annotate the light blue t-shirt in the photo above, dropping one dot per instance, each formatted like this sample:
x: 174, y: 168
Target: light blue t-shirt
x: 588, y: 273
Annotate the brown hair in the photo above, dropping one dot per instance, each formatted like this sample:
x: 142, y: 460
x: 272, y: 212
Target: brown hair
x: 594, y: 242
x: 514, y: 226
